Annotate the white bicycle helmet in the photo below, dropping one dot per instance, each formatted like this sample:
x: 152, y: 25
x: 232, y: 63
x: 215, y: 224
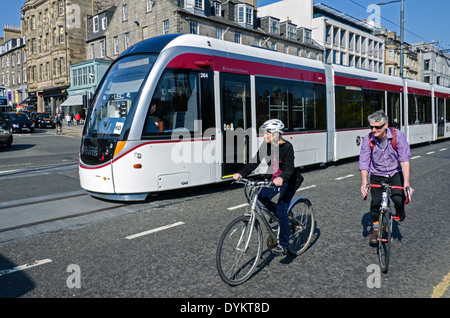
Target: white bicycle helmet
x: 273, y: 125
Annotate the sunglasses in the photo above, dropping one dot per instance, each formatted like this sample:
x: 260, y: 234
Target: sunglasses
x: 376, y: 127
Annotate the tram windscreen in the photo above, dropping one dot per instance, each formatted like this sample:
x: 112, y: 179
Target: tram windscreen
x: 119, y: 93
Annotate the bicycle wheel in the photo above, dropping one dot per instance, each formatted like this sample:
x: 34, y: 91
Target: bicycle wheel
x: 384, y: 240
x: 302, y: 225
x: 239, y: 250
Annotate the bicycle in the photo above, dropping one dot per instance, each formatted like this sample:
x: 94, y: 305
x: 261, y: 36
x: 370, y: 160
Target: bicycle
x: 58, y: 129
x: 240, y: 246
x: 387, y: 218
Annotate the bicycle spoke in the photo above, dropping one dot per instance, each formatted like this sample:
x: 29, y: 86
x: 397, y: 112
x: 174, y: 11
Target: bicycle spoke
x: 239, y: 250
x: 301, y: 217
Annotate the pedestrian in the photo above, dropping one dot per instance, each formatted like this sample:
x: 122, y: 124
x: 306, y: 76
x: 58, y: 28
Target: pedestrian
x: 68, y: 119
x: 77, y: 118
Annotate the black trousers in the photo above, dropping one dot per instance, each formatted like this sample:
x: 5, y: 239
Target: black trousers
x: 397, y: 195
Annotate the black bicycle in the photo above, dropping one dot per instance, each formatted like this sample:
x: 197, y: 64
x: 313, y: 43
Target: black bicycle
x: 387, y: 218
x: 240, y: 246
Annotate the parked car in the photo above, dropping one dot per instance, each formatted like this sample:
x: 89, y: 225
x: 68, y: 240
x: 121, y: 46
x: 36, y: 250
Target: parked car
x: 6, y: 137
x: 19, y: 122
x: 43, y: 120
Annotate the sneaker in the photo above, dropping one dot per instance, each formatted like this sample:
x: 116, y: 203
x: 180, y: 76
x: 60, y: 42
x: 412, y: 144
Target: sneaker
x: 374, y: 237
x: 279, y: 249
x: 400, y: 216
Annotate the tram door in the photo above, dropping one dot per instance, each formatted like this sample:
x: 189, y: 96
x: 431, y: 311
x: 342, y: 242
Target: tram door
x: 393, y: 109
x: 236, y: 119
x: 440, y: 102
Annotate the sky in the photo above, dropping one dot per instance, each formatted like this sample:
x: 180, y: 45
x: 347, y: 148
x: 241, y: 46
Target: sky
x: 424, y: 20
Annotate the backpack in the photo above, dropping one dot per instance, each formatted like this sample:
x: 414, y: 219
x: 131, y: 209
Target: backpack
x: 393, y: 141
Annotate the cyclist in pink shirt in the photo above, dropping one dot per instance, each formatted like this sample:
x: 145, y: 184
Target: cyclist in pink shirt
x: 388, y: 161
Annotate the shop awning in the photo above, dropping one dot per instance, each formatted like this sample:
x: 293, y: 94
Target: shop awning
x: 30, y: 100
x: 73, y: 101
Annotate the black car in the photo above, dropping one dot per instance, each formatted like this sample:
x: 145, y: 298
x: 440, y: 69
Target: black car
x: 6, y: 137
x: 44, y: 120
x: 19, y: 122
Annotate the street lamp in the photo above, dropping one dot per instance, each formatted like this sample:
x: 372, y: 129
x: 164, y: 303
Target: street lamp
x: 402, y: 30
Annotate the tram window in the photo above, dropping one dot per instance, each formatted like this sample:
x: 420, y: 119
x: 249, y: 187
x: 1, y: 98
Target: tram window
x: 419, y: 109
x: 393, y: 109
x: 272, y: 101
x: 447, y: 109
x: 117, y: 96
x: 300, y: 105
x: 354, y: 104
x: 174, y: 105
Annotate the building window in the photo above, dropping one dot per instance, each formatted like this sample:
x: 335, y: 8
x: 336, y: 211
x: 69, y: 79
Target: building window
x: 245, y: 14
x: 102, y: 48
x: 104, y: 23
x: 116, y: 45
x: 92, y: 51
x: 61, y: 7
x: 61, y: 34
x: 166, y: 27
x: 145, y: 32
x: 125, y: 13
x: 237, y: 38
x: 219, y: 33
x: 193, y: 27
x: 217, y: 9
x: 274, y: 26
x: 149, y: 5
x: 127, y: 40
x: 95, y: 24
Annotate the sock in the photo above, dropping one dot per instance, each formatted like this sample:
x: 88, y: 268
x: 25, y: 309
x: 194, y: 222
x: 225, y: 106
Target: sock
x: 375, y: 226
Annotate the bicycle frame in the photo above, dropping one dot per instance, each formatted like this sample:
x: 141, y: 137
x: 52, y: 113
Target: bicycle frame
x: 257, y: 209
x: 260, y: 211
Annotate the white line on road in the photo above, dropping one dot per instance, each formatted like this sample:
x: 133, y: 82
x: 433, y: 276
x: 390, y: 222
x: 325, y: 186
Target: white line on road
x: 154, y: 230
x: 306, y: 188
x: 415, y: 157
x: 345, y: 177
x: 431, y: 152
x: 237, y: 207
x: 443, y: 149
x: 23, y: 267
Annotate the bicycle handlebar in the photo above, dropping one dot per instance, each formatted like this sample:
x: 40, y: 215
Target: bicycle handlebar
x: 265, y: 183
x: 407, y: 189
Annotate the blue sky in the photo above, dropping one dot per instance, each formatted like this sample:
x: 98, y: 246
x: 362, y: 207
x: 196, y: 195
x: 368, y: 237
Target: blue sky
x: 424, y: 20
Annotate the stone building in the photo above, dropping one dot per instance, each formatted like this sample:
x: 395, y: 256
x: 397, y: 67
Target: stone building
x: 13, y: 65
x: 434, y: 64
x: 230, y: 20
x: 392, y: 57
x: 55, y: 32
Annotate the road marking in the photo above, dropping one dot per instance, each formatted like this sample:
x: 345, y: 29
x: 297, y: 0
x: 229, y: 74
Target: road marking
x: 237, y: 207
x: 440, y: 289
x: 306, y: 188
x: 345, y: 177
x: 443, y: 149
x: 154, y: 230
x: 23, y: 267
x: 415, y: 157
x: 430, y: 153
x: 8, y: 171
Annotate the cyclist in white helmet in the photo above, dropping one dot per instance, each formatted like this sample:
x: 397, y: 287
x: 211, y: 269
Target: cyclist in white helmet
x: 280, y: 158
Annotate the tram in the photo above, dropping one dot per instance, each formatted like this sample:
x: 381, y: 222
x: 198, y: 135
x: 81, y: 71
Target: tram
x: 182, y: 110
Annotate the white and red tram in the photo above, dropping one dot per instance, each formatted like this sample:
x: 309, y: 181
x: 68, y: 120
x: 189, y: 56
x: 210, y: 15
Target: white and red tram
x: 178, y: 110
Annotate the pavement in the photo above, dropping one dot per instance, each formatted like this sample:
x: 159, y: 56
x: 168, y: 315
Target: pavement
x: 74, y: 131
